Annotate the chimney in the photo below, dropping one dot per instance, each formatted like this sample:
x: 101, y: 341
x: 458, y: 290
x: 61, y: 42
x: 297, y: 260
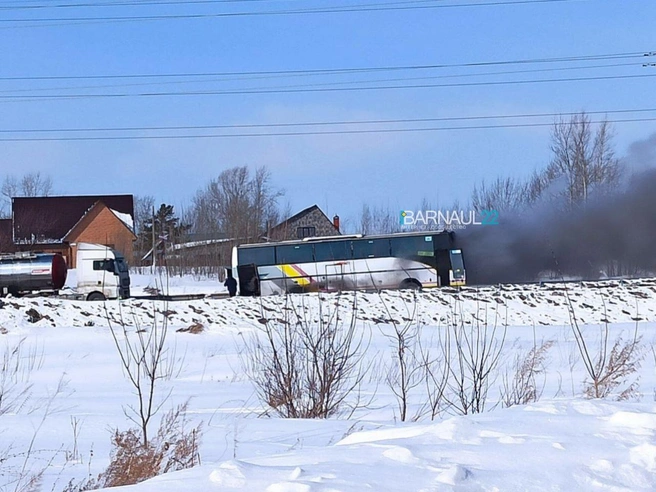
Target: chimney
x: 336, y: 222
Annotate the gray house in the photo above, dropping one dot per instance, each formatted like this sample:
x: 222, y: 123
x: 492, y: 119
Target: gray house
x: 307, y: 223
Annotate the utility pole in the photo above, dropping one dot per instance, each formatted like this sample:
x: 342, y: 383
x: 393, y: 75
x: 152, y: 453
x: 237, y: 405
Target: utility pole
x: 153, y: 251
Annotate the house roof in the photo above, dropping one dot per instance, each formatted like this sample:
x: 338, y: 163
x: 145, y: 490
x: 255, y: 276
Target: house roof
x: 299, y: 216
x: 91, y: 215
x: 49, y: 219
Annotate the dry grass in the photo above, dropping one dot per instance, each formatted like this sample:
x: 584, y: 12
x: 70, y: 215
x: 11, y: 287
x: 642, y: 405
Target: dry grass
x: 173, y: 448
x: 194, y: 329
x: 524, y: 386
x: 609, y: 372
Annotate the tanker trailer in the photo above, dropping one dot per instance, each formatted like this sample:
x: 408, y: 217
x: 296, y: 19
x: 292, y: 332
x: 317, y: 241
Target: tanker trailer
x: 27, y: 272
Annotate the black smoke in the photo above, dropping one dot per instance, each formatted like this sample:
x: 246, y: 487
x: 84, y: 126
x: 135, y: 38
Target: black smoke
x: 609, y: 236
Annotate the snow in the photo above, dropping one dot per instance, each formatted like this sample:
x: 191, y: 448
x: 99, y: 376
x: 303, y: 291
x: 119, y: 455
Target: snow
x: 206, y: 242
x: 144, y: 284
x: 562, y: 442
x: 125, y: 218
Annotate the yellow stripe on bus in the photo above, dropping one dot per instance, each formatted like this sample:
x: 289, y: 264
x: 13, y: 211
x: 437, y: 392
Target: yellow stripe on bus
x: 291, y: 272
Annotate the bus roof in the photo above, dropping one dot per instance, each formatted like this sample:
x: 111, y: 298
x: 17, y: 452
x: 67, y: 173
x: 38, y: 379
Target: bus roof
x: 345, y: 237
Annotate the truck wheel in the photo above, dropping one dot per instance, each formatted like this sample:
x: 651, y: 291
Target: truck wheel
x: 96, y: 296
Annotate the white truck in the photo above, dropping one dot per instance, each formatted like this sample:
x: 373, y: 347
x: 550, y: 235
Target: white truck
x: 102, y: 273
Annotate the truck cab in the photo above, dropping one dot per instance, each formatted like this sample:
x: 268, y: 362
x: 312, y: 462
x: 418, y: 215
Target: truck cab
x: 102, y: 273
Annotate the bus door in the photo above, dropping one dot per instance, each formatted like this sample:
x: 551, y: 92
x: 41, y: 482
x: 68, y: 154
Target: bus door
x: 338, y: 276
x: 443, y: 264
x: 249, y: 280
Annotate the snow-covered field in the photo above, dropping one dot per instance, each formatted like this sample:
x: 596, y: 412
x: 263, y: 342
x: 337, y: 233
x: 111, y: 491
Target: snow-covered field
x: 73, y: 375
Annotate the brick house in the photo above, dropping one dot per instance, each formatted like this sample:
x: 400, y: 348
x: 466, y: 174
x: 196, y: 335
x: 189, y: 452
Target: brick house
x: 57, y: 224
x: 307, y: 223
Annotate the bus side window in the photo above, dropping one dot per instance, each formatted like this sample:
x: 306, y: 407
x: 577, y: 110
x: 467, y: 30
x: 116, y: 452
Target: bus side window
x: 294, y: 253
x: 412, y: 246
x: 371, y: 248
x: 262, y: 255
x: 332, y: 251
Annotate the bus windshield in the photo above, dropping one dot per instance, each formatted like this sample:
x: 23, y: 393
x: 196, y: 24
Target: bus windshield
x: 457, y: 264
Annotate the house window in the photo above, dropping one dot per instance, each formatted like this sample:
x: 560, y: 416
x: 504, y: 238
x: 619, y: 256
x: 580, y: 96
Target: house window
x: 302, y: 232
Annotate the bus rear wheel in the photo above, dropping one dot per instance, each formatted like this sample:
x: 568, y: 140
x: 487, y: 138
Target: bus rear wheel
x: 297, y: 289
x: 96, y: 296
x: 410, y: 284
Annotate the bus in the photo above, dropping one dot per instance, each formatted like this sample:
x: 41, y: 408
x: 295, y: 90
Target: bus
x: 413, y: 260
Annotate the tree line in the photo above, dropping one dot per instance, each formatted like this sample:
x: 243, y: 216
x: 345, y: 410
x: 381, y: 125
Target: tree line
x: 583, y: 166
x: 241, y: 204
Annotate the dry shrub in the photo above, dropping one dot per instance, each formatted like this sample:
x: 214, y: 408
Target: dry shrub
x: 528, y: 367
x: 304, y: 366
x: 612, y: 371
x: 472, y: 351
x: 608, y: 371
x: 173, y: 448
x: 408, y: 368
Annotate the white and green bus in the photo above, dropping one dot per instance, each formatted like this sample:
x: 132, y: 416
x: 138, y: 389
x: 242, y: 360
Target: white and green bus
x: 392, y: 261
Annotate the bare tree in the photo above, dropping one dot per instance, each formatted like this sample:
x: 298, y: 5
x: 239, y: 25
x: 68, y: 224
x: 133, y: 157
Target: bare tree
x: 30, y: 184
x: 378, y: 220
x: 143, y: 213
x: 237, y: 204
x: 146, y: 361
x: 583, y: 157
x: 537, y: 186
x: 503, y: 194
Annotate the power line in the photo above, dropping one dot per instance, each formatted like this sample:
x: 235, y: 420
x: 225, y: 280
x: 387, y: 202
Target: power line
x: 322, y: 84
x: 333, y: 123
x: 121, y: 3
x: 373, y: 7
x: 345, y: 70
x: 296, y: 90
x: 306, y: 133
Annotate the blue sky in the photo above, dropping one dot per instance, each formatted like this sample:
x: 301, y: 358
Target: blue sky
x: 339, y: 172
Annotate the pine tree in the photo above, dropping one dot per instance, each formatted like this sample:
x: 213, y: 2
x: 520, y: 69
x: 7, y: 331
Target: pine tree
x: 168, y: 229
